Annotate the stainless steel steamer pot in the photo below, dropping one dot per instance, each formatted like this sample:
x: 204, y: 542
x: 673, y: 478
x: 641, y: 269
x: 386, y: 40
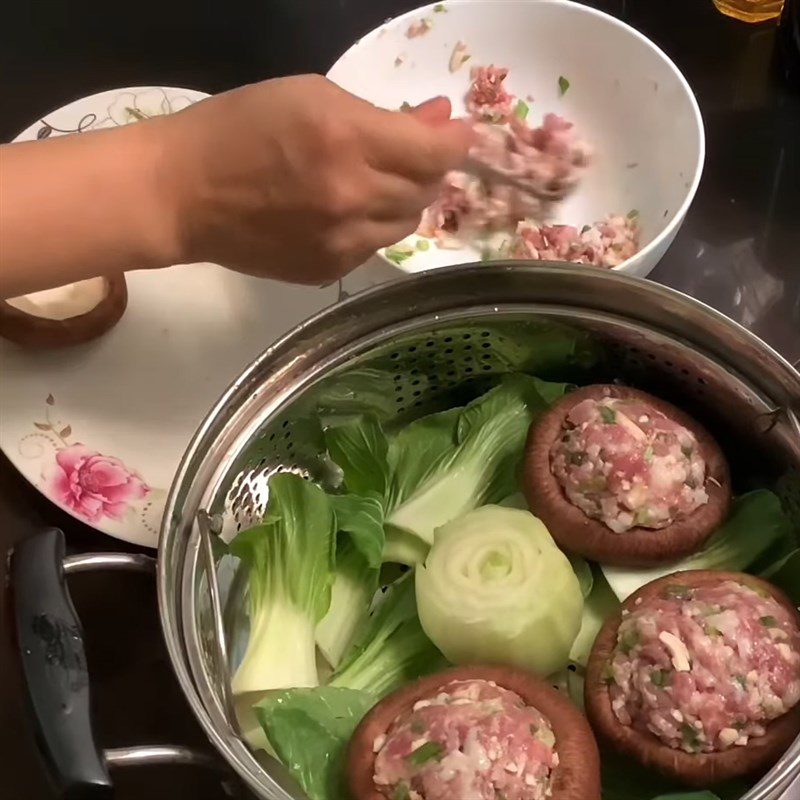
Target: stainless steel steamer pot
x: 418, y: 345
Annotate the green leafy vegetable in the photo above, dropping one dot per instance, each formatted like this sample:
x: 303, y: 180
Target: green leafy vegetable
x: 399, y: 253
x: 689, y: 796
x: 624, y: 779
x: 439, y: 8
x: 309, y: 730
x: 570, y: 681
x: 563, y: 85
x: 757, y: 522
x: 543, y: 349
x: 354, y: 586
x: 477, y: 467
x: 392, y: 649
x: 290, y: 558
x: 423, y: 245
x: 521, y: 110
x: 576, y: 682
x: 361, y: 518
x: 601, y: 604
x: 413, y: 452
x: 633, y: 214
x: 358, y: 445
x: 583, y: 572
x: 442, y: 465
x: 785, y: 574
x: 495, y: 588
x: 517, y: 500
x: 357, y: 391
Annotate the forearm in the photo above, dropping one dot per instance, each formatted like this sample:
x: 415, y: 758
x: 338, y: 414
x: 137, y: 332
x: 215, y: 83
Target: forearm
x: 84, y: 205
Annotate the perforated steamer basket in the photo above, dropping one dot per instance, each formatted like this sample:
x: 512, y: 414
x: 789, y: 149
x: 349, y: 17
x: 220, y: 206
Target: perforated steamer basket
x: 424, y: 344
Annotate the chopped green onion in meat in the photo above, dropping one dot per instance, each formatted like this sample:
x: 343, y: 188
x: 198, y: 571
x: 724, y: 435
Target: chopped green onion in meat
x: 401, y: 792
x: 608, y: 415
x: 430, y: 751
x: 661, y: 677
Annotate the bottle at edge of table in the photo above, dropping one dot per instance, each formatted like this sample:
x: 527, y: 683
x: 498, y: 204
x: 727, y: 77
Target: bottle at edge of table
x: 750, y: 10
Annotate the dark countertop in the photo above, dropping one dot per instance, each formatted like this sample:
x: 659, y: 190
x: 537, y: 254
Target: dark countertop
x: 739, y: 250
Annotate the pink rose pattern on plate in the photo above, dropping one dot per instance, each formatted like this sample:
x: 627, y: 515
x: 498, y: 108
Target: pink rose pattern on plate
x: 93, y: 485
x: 90, y: 484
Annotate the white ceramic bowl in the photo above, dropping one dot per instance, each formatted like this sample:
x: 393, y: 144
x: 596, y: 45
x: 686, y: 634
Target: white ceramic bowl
x: 625, y: 97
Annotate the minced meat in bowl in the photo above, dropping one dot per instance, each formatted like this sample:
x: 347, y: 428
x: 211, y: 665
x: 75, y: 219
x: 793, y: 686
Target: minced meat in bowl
x: 628, y: 464
x: 705, y: 668
x: 472, y: 739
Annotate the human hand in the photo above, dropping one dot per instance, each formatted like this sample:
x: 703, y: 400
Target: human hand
x: 298, y: 180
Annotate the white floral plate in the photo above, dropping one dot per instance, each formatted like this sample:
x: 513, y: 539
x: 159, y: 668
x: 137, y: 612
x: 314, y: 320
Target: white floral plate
x: 100, y: 429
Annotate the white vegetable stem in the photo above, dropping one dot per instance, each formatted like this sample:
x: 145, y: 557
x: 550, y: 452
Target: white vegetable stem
x: 350, y: 599
x: 280, y: 651
x: 495, y: 588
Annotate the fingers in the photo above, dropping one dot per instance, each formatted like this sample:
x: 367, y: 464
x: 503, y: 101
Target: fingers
x: 420, y: 145
x: 434, y: 111
x: 368, y: 236
x: 396, y: 197
x: 389, y: 233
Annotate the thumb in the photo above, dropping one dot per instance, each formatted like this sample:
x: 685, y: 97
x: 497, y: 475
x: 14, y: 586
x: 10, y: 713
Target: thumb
x: 435, y: 111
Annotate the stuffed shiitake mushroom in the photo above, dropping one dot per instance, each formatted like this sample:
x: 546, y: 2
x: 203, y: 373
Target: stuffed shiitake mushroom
x: 625, y: 478
x: 478, y: 732
x: 66, y: 315
x: 699, y: 676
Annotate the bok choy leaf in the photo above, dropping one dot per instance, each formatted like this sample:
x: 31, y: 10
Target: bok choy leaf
x: 392, y: 649
x: 757, y: 523
x: 290, y: 558
x: 441, y: 466
x: 785, y: 574
x: 359, y: 522
x: 309, y: 730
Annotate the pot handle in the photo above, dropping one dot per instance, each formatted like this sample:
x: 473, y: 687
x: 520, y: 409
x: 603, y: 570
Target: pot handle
x: 54, y: 670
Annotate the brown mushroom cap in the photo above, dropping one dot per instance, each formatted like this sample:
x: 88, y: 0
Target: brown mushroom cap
x: 701, y: 769
x: 35, y: 332
x: 577, y: 776
x: 637, y: 547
